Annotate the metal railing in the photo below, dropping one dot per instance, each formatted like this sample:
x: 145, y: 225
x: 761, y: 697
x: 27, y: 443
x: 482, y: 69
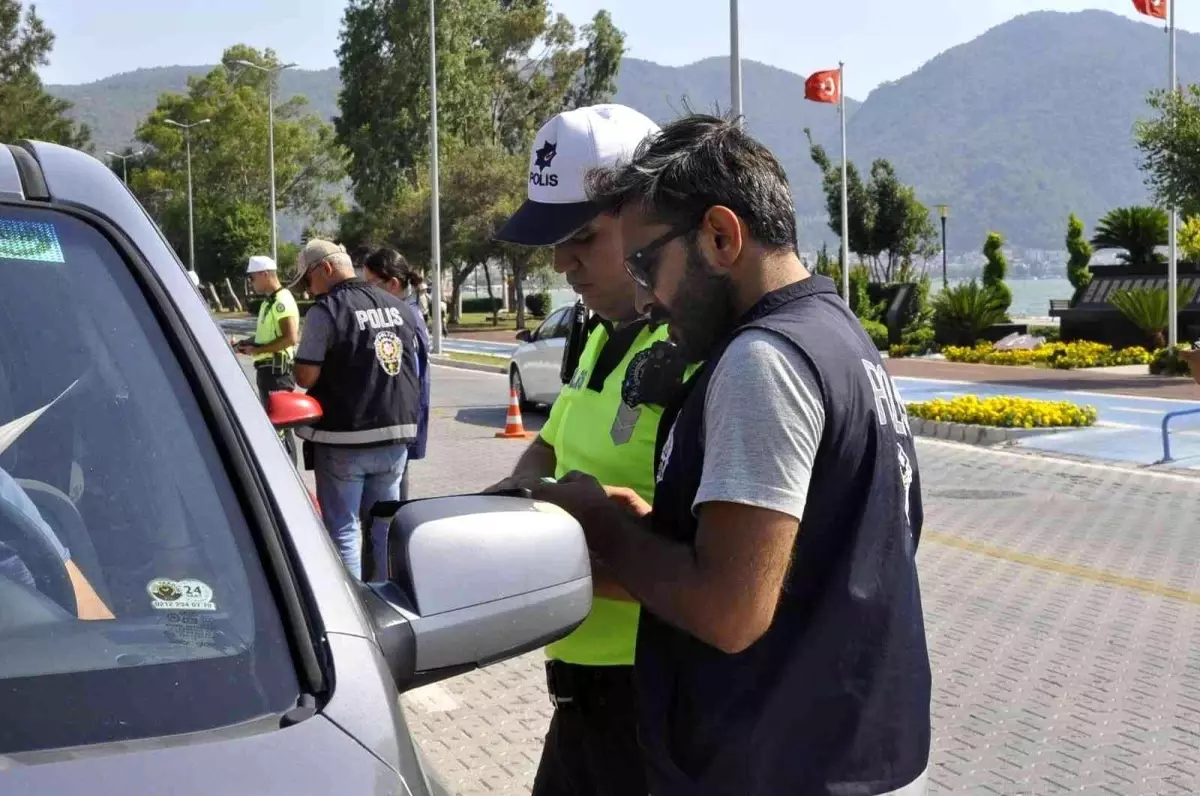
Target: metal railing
x: 1166, y: 437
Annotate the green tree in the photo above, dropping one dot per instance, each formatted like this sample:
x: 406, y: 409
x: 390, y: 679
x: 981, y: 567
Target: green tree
x: 229, y: 232
x: 1169, y: 145
x: 1189, y: 239
x: 26, y: 109
x: 596, y: 81
x: 1139, y: 231
x: 996, y: 268
x: 231, y: 166
x: 1079, y: 254
x: 1149, y: 309
x: 827, y: 266
x: 384, y: 102
x: 887, y: 226
x: 504, y: 67
x: 961, y: 314
x: 860, y: 215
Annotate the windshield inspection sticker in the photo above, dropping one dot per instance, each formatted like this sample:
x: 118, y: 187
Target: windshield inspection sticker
x: 190, y: 629
x: 29, y: 240
x: 180, y: 595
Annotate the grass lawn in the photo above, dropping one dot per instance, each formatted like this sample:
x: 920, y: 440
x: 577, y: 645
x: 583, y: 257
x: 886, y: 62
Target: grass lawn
x: 476, y: 359
x: 482, y: 321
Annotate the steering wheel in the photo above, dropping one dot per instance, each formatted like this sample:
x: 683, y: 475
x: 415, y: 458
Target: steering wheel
x: 39, y: 555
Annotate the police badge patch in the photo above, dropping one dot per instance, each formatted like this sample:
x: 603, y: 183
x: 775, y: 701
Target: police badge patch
x: 388, y: 350
x: 654, y: 375
x: 624, y: 423
x: 280, y: 307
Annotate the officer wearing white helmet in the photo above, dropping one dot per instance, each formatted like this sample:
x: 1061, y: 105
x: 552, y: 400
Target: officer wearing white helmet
x: 604, y: 422
x: 273, y: 347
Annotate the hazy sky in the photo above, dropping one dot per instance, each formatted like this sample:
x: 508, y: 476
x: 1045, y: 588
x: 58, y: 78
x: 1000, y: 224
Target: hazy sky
x: 880, y: 40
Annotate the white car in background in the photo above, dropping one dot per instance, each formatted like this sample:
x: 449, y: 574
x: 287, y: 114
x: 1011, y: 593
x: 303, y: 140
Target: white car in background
x: 535, y: 368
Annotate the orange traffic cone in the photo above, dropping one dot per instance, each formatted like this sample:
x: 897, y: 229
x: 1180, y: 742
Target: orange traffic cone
x: 514, y: 428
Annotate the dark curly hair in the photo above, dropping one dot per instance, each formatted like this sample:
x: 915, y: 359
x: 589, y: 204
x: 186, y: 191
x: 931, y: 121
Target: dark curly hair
x: 699, y: 162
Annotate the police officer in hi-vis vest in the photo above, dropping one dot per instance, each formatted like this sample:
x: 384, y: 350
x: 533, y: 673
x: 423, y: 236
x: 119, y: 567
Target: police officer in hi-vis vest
x: 604, y: 422
x: 781, y: 648
x: 362, y: 358
x: 273, y: 347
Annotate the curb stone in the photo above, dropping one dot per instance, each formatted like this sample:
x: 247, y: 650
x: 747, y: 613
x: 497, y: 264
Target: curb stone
x: 454, y: 363
x: 971, y: 434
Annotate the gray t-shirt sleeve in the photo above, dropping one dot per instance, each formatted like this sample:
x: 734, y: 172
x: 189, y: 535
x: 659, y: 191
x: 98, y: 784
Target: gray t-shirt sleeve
x: 315, y: 336
x: 763, y: 423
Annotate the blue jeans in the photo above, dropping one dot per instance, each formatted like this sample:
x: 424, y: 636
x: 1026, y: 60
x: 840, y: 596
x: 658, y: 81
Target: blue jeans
x: 349, y: 482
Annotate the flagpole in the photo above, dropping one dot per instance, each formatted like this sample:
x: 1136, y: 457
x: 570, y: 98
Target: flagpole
x: 1172, y: 264
x: 735, y: 63
x: 845, y: 197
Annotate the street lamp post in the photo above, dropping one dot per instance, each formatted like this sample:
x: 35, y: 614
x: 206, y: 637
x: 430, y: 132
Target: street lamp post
x: 124, y: 170
x: 944, y: 212
x: 271, y: 72
x: 435, y: 200
x: 735, y: 62
x: 187, y: 142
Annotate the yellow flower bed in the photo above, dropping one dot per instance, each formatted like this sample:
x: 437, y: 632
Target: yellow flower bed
x: 1064, y: 356
x: 1004, y: 412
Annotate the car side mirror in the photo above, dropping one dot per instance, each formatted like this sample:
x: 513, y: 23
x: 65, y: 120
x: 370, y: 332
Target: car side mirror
x: 474, y: 580
x: 525, y: 336
x: 292, y: 409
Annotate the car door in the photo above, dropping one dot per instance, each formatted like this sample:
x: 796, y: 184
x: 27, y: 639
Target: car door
x: 546, y: 358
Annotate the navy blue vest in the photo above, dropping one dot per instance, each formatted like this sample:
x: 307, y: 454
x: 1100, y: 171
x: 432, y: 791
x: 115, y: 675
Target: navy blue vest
x: 369, y: 389
x: 835, y: 697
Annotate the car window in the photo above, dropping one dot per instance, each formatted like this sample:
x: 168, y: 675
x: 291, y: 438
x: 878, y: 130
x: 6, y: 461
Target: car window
x: 553, y: 326
x: 132, y: 599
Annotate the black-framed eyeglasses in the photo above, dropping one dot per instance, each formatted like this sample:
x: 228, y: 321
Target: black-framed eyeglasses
x: 642, y: 264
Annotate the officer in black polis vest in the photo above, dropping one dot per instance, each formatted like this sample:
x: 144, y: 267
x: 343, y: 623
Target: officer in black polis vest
x: 360, y: 356
x: 782, y: 646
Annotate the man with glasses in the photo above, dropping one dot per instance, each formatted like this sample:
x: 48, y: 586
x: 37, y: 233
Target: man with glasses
x: 604, y: 422
x: 360, y: 358
x: 782, y: 645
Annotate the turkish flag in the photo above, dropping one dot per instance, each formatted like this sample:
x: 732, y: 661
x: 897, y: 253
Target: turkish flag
x: 826, y: 86
x: 1152, y: 8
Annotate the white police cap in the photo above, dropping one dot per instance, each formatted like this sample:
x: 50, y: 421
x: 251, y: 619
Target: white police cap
x: 260, y: 263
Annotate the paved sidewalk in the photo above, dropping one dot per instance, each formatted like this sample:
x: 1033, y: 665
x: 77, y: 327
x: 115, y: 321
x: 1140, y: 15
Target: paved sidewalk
x: 1180, y: 388
x: 1062, y: 608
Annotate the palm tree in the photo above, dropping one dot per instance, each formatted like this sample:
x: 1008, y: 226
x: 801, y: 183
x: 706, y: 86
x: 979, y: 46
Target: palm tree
x: 1137, y: 230
x: 1149, y: 310
x: 964, y: 312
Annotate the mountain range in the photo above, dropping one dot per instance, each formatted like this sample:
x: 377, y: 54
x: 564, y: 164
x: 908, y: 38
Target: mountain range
x: 1014, y: 130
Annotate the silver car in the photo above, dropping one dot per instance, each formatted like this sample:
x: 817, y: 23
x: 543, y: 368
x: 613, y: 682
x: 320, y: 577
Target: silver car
x: 535, y: 368
x: 173, y: 616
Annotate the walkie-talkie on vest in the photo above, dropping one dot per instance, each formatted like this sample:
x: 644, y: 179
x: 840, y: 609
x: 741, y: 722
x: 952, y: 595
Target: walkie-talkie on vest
x: 576, y: 340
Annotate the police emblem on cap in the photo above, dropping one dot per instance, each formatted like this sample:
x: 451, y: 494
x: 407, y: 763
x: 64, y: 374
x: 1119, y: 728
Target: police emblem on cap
x: 545, y: 156
x: 388, y: 349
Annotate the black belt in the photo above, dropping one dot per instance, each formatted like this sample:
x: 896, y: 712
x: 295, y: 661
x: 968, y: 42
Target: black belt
x: 277, y: 362
x: 583, y: 687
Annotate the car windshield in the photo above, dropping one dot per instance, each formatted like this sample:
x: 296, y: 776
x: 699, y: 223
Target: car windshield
x: 133, y: 603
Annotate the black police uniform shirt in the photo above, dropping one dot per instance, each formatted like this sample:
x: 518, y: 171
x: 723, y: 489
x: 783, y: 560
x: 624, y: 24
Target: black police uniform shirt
x: 369, y: 388
x: 835, y: 697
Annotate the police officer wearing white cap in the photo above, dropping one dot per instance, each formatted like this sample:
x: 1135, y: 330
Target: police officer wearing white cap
x: 273, y: 347
x: 604, y: 422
